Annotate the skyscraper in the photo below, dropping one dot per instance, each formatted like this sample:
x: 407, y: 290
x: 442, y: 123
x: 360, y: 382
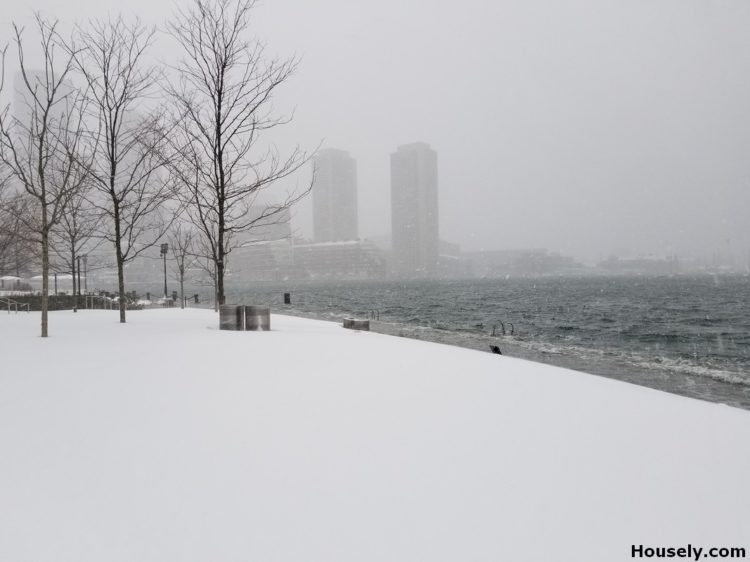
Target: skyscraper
x: 335, y: 197
x: 23, y: 101
x: 414, y: 210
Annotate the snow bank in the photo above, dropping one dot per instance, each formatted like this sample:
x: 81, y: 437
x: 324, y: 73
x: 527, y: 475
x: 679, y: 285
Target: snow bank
x: 167, y: 440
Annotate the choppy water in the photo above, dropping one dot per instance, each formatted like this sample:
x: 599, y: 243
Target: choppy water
x: 686, y: 335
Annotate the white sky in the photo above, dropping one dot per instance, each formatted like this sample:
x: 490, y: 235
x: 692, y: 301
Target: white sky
x: 586, y: 127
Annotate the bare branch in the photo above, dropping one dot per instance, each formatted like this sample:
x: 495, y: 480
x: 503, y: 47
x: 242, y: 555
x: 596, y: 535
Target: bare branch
x: 223, y: 104
x: 41, y: 147
x: 128, y: 172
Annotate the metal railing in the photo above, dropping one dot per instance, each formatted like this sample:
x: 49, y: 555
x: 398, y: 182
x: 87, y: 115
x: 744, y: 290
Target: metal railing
x: 13, y: 305
x: 106, y: 303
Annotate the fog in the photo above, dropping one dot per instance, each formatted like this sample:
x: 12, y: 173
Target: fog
x: 584, y: 127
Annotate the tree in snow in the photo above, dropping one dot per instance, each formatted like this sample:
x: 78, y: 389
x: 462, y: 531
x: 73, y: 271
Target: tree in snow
x: 129, y: 171
x: 43, y: 144
x: 222, y: 98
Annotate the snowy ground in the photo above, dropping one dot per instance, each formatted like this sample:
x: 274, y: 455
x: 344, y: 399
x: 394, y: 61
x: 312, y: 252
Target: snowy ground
x: 167, y: 440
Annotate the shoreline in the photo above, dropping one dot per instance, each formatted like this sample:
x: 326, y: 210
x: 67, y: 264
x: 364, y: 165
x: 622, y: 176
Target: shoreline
x: 605, y: 367
x: 680, y: 335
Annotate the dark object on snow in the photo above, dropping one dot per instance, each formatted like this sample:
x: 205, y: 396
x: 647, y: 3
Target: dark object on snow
x: 257, y: 318
x: 231, y: 317
x: 244, y: 318
x: 353, y: 324
x: 496, y: 349
x: 287, y: 298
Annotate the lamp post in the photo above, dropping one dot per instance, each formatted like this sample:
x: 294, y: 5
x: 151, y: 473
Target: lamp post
x: 164, y: 250
x: 76, y: 297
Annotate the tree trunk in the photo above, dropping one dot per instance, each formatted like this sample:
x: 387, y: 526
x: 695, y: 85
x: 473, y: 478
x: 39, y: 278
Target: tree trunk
x: 18, y: 260
x: 219, y: 280
x: 120, y: 281
x: 220, y: 264
x: 120, y: 263
x: 45, y: 273
x: 75, y: 294
x: 220, y: 296
x: 182, y: 288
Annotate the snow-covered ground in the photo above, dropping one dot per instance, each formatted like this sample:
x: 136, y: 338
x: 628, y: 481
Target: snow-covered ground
x: 165, y: 439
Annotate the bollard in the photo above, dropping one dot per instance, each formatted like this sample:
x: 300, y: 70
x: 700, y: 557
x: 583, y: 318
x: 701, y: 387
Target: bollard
x: 287, y: 298
x: 257, y: 318
x: 231, y: 317
x: 353, y: 324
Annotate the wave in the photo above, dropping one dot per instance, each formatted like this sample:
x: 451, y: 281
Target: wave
x: 680, y: 366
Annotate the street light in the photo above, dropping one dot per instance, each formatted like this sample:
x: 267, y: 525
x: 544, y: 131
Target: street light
x: 77, y: 296
x: 79, y: 277
x: 164, y: 250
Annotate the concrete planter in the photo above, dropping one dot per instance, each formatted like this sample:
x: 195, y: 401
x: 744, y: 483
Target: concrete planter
x: 352, y: 324
x: 231, y: 317
x: 257, y: 318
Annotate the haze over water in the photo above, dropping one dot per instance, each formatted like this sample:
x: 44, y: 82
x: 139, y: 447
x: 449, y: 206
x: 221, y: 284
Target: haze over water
x: 585, y: 127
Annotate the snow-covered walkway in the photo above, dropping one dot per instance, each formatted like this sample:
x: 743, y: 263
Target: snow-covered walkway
x: 166, y: 439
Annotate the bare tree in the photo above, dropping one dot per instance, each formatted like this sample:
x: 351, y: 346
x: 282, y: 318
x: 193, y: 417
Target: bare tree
x: 7, y: 231
x: 76, y: 234
x: 43, y: 148
x: 223, y: 103
x: 18, y: 252
x: 128, y: 169
x: 182, y: 242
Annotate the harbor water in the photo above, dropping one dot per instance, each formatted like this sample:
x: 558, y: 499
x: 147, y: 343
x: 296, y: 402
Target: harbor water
x: 685, y: 335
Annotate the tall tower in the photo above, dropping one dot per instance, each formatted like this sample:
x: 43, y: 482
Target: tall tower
x: 335, y: 197
x: 23, y: 105
x: 414, y: 210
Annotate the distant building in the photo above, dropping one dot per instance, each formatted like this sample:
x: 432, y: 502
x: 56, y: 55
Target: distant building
x: 269, y: 224
x: 263, y: 252
x: 521, y: 262
x: 354, y: 259
x: 261, y: 261
x: 414, y: 211
x: 288, y: 259
x: 334, y: 196
x: 644, y: 265
x: 23, y: 105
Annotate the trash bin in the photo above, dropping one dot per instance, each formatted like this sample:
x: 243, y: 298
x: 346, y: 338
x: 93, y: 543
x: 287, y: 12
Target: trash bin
x: 257, y: 318
x: 231, y: 317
